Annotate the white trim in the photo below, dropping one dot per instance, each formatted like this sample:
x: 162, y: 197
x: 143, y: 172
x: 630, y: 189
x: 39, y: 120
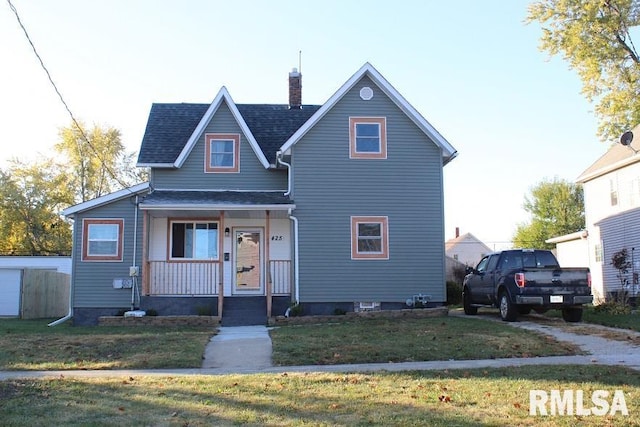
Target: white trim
x: 223, y: 95
x: 107, y: 198
x: 568, y: 237
x: 607, y: 169
x: 448, y: 152
x: 155, y: 165
x: 237, y: 207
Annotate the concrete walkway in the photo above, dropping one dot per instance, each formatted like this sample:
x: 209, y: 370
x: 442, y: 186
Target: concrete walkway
x: 238, y: 347
x: 247, y: 350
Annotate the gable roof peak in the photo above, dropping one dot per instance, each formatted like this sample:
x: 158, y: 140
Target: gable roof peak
x: 448, y: 151
x: 223, y: 95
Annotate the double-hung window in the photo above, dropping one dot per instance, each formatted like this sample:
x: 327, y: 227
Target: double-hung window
x: 369, y: 237
x: 222, y: 152
x: 367, y: 137
x: 194, y: 240
x: 102, y: 239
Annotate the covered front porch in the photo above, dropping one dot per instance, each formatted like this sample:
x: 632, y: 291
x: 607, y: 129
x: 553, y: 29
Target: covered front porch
x: 212, y: 246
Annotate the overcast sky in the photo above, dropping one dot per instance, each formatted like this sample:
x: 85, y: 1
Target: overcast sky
x: 472, y: 69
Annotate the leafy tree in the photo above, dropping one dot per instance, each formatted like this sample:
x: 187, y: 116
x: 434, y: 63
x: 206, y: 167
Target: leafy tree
x: 31, y: 198
x: 594, y: 36
x: 556, y: 208
x: 97, y: 161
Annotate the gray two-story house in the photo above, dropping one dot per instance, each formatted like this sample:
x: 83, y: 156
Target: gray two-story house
x: 251, y: 208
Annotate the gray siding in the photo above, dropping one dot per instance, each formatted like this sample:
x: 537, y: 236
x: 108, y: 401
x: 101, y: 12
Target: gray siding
x: 329, y: 188
x: 617, y: 232
x: 191, y: 176
x: 93, y: 281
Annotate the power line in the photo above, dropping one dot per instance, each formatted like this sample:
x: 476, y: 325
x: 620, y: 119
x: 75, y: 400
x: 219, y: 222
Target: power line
x: 73, y: 118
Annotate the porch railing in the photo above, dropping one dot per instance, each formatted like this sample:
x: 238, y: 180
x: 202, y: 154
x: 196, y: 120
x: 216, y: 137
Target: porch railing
x: 203, y: 278
x: 183, y: 278
x: 280, y: 271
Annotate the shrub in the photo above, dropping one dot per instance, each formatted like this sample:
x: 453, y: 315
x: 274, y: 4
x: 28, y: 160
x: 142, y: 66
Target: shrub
x: 616, y: 303
x: 295, y: 310
x: 454, y: 293
x: 339, y: 312
x: 151, y: 312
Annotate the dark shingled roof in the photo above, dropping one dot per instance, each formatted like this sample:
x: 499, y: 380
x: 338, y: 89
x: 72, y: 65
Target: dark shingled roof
x: 170, y: 126
x: 162, y: 198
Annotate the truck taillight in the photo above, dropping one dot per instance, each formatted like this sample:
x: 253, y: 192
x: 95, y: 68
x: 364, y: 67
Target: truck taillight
x: 520, y: 280
x: 589, y: 279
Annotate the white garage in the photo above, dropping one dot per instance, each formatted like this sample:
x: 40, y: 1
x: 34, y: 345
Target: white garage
x: 10, y: 285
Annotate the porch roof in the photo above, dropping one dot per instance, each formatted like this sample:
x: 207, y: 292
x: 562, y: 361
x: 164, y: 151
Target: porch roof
x: 216, y: 200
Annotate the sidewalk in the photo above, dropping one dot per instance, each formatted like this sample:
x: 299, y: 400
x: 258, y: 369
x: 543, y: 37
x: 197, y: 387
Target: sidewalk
x: 247, y: 350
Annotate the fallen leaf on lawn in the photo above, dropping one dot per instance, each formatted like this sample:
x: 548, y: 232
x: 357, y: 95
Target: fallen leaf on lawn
x: 517, y: 405
x: 444, y: 398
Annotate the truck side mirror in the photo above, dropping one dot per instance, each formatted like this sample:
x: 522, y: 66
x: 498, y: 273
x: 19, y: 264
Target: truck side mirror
x: 470, y: 270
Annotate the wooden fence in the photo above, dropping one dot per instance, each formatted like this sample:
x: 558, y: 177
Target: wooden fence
x: 45, y: 294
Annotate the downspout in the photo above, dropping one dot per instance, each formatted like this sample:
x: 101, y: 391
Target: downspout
x: 296, y: 287
x: 288, y: 165
x: 69, y: 314
x: 133, y: 271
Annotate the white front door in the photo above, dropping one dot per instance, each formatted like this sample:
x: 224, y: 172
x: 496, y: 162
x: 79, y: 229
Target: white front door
x: 248, y: 253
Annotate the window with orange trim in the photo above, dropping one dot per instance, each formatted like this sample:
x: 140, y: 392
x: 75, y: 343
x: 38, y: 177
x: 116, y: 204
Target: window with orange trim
x: 222, y: 152
x: 102, y: 239
x: 369, y: 237
x: 367, y: 137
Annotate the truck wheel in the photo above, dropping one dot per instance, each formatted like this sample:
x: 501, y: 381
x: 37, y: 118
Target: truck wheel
x: 466, y: 303
x: 572, y: 314
x: 508, y: 311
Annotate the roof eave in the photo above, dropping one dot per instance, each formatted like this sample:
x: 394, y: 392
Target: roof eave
x: 156, y: 165
x: 215, y: 206
x: 107, y: 198
x: 585, y: 177
x: 582, y: 234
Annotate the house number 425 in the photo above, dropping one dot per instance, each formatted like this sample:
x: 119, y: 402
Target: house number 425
x: 277, y: 238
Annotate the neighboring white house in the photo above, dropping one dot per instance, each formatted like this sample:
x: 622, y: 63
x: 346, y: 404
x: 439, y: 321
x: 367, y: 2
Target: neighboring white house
x: 572, y: 250
x: 466, y: 248
x: 612, y: 215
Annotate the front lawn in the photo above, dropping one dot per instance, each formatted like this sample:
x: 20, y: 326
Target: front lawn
x: 615, y: 320
x: 496, y: 397
x: 407, y: 340
x: 32, y: 345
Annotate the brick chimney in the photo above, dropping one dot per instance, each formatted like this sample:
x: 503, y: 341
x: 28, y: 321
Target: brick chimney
x: 457, y: 232
x: 295, y: 89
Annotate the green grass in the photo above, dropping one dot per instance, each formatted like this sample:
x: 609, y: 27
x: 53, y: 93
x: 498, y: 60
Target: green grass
x: 32, y: 345
x: 406, y: 340
x: 591, y: 314
x: 626, y: 321
x: 449, y: 398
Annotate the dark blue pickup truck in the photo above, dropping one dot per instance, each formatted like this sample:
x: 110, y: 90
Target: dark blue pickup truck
x: 520, y: 280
